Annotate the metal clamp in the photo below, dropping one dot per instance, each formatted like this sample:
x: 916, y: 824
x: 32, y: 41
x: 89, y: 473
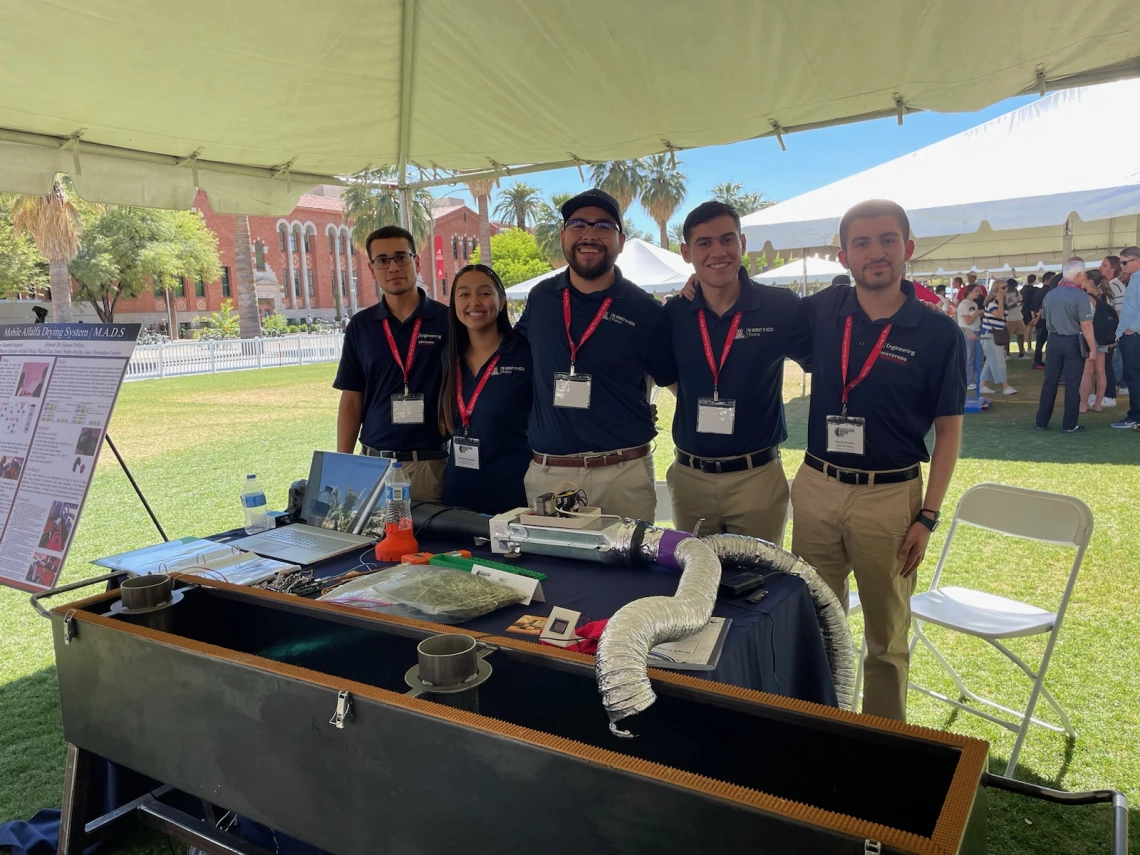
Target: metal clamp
x: 343, y: 710
x: 69, y: 626
x: 43, y: 595
x: 872, y: 847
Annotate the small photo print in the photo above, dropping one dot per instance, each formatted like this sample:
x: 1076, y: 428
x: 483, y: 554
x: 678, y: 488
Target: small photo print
x: 44, y: 569
x: 88, y: 442
x: 59, y: 526
x: 32, y: 376
x: 10, y: 468
x: 528, y: 625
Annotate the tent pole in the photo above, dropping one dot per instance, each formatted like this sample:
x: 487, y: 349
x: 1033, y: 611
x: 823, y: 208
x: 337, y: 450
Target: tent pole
x: 403, y: 142
x: 1067, y: 242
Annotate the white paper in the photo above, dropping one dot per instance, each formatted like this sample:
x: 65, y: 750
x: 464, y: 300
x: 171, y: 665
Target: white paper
x: 845, y: 435
x: 530, y: 588
x: 58, y: 385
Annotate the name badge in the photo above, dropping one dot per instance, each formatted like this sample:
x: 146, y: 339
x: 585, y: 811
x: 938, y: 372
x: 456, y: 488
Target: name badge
x: 715, y: 416
x: 407, y: 409
x: 845, y: 434
x: 466, y: 452
x: 572, y: 390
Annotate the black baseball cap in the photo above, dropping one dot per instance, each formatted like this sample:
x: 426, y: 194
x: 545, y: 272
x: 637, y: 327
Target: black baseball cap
x: 593, y: 198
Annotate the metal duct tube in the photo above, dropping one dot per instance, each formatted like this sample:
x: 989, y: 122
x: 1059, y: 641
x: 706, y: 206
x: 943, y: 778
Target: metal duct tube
x: 623, y: 651
x: 738, y: 550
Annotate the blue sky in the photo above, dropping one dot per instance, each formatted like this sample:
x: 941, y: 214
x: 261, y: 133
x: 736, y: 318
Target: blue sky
x: 813, y: 158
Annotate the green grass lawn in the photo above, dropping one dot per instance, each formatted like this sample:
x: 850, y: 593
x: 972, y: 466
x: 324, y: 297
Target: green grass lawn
x: 190, y: 441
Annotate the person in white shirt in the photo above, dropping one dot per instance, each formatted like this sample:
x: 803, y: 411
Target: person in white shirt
x: 970, y: 312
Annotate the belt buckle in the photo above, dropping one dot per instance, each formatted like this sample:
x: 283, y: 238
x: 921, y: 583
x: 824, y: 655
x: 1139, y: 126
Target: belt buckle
x: 842, y: 476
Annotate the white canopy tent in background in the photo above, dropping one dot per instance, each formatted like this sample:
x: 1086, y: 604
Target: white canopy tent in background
x: 650, y: 267
x: 141, y: 101
x: 820, y: 271
x: 997, y: 194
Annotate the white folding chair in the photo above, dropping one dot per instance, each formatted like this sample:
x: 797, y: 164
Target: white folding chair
x: 1032, y: 515
x: 854, y: 606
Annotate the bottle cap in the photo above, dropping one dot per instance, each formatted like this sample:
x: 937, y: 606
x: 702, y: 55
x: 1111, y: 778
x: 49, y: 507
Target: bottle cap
x: 396, y: 464
x: 250, y: 476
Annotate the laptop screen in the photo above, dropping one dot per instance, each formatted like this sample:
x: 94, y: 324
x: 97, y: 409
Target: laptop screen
x: 339, y: 486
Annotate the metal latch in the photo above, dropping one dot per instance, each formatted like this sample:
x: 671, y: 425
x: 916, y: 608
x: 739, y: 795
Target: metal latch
x: 872, y: 847
x: 68, y: 627
x: 343, y: 710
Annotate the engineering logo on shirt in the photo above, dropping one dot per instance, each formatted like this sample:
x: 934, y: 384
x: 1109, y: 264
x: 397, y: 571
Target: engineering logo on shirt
x: 896, y: 354
x: 618, y: 319
x: 752, y: 332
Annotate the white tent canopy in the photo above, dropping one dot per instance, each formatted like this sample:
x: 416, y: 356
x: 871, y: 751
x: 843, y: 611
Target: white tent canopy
x: 650, y: 267
x: 255, y: 101
x: 998, y: 193
x: 820, y: 271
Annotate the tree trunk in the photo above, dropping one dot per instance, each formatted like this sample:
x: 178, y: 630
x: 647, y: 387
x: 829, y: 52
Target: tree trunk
x: 171, y: 315
x: 485, y: 229
x: 60, y: 281
x: 249, y: 320
x: 664, y: 224
x: 521, y: 220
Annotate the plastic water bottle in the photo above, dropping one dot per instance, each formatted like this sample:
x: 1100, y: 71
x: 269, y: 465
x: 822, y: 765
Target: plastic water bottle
x: 253, y: 501
x: 397, y: 500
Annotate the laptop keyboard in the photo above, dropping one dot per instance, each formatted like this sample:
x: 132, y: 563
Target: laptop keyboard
x: 289, y: 536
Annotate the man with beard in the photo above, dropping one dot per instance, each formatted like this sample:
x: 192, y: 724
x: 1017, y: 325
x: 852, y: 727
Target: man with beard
x: 884, y: 371
x: 390, y: 369
x: 590, y: 332
x: 725, y: 349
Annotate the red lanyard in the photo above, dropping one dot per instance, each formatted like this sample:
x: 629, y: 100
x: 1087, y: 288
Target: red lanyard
x: 867, y: 366
x: 713, y: 367
x: 405, y: 365
x: 589, y: 330
x: 465, y: 410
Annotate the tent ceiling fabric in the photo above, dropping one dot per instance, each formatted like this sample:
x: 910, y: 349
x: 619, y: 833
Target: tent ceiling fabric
x: 496, y: 82
x: 646, y: 265
x: 1003, y: 188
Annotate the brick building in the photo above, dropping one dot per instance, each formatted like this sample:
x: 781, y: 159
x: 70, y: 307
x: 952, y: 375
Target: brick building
x: 315, y: 239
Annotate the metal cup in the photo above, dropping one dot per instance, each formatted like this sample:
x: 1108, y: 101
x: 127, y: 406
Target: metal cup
x: 447, y: 660
x: 146, y: 592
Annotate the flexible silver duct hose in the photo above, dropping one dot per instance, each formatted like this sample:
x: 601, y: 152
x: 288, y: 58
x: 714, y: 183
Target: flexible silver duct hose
x: 738, y: 550
x: 638, y: 627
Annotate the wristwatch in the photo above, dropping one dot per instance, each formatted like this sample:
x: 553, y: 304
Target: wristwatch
x: 931, y: 522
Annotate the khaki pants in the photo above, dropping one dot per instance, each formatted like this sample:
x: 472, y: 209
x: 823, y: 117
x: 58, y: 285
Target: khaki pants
x: 840, y: 528
x: 752, y: 501
x: 427, y: 479
x: 625, y: 489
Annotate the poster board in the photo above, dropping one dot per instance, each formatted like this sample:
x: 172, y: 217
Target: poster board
x: 58, y: 386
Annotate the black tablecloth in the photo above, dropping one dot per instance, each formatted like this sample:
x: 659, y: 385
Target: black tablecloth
x: 773, y: 646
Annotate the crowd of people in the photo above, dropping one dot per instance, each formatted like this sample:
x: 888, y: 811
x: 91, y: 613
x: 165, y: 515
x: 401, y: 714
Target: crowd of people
x: 491, y: 416
x: 1093, y: 325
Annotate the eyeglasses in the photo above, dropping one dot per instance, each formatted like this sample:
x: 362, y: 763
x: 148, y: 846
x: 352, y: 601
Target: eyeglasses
x: 579, y: 226
x: 401, y: 258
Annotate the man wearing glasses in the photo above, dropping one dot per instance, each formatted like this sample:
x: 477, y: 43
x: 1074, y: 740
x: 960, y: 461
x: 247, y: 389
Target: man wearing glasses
x: 390, y: 369
x: 590, y: 332
x: 1128, y: 335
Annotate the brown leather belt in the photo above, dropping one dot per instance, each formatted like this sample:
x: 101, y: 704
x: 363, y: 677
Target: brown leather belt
x: 592, y: 461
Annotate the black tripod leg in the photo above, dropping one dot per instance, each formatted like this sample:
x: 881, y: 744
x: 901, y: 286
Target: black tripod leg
x: 131, y: 478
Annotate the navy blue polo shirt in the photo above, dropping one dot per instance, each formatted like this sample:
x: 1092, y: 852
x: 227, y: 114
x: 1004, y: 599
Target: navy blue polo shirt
x: 753, y: 374
x: 499, y: 422
x: 919, y: 376
x: 617, y: 356
x: 367, y: 366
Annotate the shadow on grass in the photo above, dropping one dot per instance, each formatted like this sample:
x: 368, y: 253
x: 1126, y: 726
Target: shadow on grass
x: 32, y: 751
x: 1019, y: 825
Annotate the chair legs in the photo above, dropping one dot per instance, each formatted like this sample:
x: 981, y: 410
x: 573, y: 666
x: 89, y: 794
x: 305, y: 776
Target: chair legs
x: 862, y: 657
x: 1023, y: 718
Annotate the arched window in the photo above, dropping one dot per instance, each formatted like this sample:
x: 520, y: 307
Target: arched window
x: 281, y: 234
x: 293, y: 239
x: 259, y: 254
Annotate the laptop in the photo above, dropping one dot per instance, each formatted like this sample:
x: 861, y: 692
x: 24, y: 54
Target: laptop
x: 341, y: 494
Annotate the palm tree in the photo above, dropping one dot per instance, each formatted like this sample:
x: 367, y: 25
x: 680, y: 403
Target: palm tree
x: 53, y: 223
x: 732, y: 193
x: 622, y: 179
x: 676, y: 235
x: 249, y: 316
x: 481, y: 190
x: 663, y: 191
x: 548, y: 229
x: 372, y: 201
x: 520, y: 201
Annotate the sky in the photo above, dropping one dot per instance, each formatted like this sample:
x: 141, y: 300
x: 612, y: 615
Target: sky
x: 813, y: 159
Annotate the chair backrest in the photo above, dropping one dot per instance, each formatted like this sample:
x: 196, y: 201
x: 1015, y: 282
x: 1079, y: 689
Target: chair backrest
x: 1031, y: 514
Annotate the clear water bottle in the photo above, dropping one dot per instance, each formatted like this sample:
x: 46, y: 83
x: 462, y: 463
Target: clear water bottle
x: 397, y: 500
x: 253, y: 501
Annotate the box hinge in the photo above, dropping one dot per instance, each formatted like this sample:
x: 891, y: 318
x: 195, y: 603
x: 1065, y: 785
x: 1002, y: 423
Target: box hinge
x: 69, y: 627
x: 872, y: 847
